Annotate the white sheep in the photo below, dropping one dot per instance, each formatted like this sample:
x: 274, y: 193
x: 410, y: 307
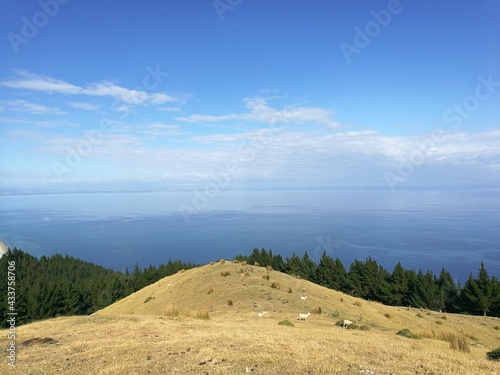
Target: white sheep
x: 304, y: 316
x: 261, y: 314
x: 346, y: 323
x: 303, y: 298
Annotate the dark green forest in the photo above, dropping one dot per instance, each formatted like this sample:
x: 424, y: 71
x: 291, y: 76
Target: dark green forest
x: 62, y: 285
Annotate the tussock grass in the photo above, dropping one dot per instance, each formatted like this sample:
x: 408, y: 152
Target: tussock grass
x: 225, y: 274
x: 266, y: 277
x: 286, y: 323
x: 275, y: 285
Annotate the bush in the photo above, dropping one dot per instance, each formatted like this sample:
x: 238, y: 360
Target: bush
x: 286, y: 323
x: 269, y: 268
x: 387, y: 315
x: 275, y: 285
x: 148, y: 299
x: 496, y: 327
x: 230, y: 302
x: 227, y: 273
x: 407, y: 333
x: 265, y: 277
x: 335, y: 314
x: 494, y: 355
x: 357, y: 303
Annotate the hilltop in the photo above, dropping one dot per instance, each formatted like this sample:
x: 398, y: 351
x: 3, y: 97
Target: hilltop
x: 205, y: 321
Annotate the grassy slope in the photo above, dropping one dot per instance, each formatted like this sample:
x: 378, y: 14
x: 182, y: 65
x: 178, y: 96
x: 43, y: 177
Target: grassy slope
x: 133, y: 337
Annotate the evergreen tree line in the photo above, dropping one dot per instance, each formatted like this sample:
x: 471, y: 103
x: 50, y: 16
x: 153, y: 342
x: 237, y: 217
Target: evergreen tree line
x: 61, y: 285
x: 401, y: 287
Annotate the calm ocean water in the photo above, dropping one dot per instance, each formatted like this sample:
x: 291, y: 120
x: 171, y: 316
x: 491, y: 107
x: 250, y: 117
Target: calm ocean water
x: 422, y: 229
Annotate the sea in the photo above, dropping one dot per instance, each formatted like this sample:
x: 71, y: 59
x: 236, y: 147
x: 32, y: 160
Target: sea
x: 422, y: 229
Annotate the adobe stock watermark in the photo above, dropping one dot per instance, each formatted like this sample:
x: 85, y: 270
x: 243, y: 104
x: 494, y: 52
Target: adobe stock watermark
x: 224, y: 6
x: 247, y: 153
x: 31, y: 26
x: 94, y: 138
x: 455, y: 116
x: 363, y: 37
x: 326, y: 245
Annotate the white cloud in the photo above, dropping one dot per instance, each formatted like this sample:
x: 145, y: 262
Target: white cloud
x: 25, y: 106
x: 84, y: 106
x: 260, y: 111
x: 35, y: 82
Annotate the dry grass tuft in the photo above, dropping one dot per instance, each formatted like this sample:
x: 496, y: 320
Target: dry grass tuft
x: 210, y: 290
x: 230, y: 302
x: 225, y: 273
x: 387, y: 315
x: 275, y: 285
x: 496, y: 327
x: 317, y: 310
x: 256, y: 264
x: 357, y: 303
x: 290, y: 290
x: 266, y: 277
x: 269, y: 268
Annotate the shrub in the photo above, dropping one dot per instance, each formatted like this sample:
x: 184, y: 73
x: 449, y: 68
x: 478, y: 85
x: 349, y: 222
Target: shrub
x: 357, y: 303
x: 341, y: 299
x: 387, y: 315
x: 444, y: 317
x: 494, y: 355
x: 496, y: 327
x: 269, y: 268
x: 225, y: 274
x: 335, y: 314
x: 290, y: 290
x: 275, y: 285
x: 222, y: 261
x: 212, y: 263
x: 407, y: 333
x: 286, y: 323
x: 247, y: 273
x: 230, y: 302
x: 317, y: 311
x: 265, y: 277
x: 438, y: 322
x: 148, y: 299
x: 256, y: 264
x: 181, y: 270
x: 420, y: 315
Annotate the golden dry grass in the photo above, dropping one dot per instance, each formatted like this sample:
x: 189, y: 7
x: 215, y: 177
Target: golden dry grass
x: 133, y: 337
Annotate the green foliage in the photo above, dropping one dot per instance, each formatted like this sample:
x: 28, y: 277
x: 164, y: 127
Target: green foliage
x: 148, y: 299
x: 62, y: 285
x: 286, y: 323
x: 407, y: 333
x: 494, y: 355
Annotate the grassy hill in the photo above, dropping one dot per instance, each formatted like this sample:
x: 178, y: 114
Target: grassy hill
x: 205, y: 321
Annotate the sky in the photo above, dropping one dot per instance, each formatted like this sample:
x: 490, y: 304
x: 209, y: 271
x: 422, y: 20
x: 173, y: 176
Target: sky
x: 296, y: 94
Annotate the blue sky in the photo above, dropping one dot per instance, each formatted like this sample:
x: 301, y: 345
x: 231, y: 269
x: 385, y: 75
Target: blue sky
x: 169, y: 95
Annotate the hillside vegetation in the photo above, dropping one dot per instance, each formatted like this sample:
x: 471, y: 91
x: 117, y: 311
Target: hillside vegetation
x: 205, y: 320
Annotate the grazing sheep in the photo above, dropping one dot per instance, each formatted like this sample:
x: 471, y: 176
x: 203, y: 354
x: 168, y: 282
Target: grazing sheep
x: 261, y: 314
x: 303, y: 298
x: 346, y: 323
x: 304, y: 316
